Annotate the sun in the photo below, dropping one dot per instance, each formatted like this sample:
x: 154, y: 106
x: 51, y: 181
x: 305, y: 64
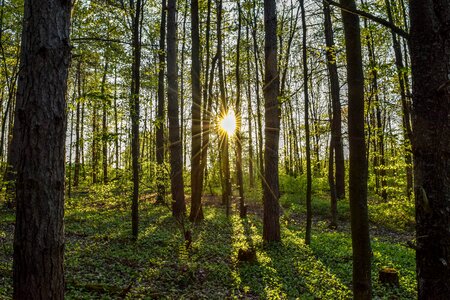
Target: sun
x: 228, y: 123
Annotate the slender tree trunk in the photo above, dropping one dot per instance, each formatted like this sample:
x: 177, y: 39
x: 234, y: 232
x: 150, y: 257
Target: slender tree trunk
x: 176, y: 147
x: 160, y: 112
x: 76, y: 176
x: 116, y: 122
x: 135, y: 110
x: 104, y: 126
x: 271, y: 226
x: 196, y: 213
x: 239, y: 173
x: 336, y: 131
x: 249, y: 112
x: 430, y: 58
x: 224, y: 143
x: 401, y: 74
x: 307, y: 133
x: 358, y: 161
x: 39, y: 142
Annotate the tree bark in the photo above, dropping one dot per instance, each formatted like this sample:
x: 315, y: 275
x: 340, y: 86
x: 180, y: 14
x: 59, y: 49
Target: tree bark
x: 271, y: 222
x: 176, y: 147
x: 39, y: 142
x: 358, y: 161
x: 160, y: 111
x: 336, y: 130
x: 196, y: 213
x: 430, y: 58
x: 134, y: 113
x: 307, y: 133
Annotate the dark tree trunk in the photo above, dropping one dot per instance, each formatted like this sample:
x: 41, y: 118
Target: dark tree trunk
x: 160, y: 111
x: 224, y: 143
x: 271, y: 227
x: 307, y: 133
x: 116, y: 122
x: 336, y: 130
x: 358, y: 161
x: 76, y: 176
x: 134, y: 112
x: 39, y: 142
x: 430, y: 58
x: 104, y: 126
x: 240, y: 176
x: 196, y: 213
x: 176, y: 147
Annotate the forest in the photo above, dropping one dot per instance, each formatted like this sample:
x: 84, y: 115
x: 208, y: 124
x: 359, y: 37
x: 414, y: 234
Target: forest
x: 225, y: 149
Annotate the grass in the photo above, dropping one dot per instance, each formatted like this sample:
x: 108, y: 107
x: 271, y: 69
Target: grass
x: 102, y: 262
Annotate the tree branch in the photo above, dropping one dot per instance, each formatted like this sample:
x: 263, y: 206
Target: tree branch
x: 369, y: 16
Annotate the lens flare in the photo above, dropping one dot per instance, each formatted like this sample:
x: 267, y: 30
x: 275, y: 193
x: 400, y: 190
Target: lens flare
x: 228, y: 123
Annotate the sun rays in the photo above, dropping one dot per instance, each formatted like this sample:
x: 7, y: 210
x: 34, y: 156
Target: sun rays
x: 228, y: 123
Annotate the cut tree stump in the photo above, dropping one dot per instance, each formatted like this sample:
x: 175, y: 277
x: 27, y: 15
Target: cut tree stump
x: 388, y: 276
x: 248, y: 255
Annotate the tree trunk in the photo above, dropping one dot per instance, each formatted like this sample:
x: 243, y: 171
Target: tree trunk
x: 176, y: 147
x: 271, y: 227
x: 39, y: 142
x: 104, y: 126
x: 336, y: 130
x: 430, y: 58
x: 134, y: 113
x: 160, y: 111
x: 76, y: 176
x: 239, y: 173
x: 307, y: 133
x: 196, y: 213
x: 358, y: 161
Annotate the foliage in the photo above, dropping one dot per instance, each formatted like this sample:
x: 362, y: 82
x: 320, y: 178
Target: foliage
x: 103, y: 262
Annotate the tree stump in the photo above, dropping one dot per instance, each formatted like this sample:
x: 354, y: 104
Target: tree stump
x: 388, y: 276
x: 248, y: 255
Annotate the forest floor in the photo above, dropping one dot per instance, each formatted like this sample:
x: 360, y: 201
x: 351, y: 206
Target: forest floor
x: 103, y: 262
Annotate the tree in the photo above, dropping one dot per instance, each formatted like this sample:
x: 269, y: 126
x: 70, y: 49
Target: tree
x: 160, y: 111
x: 176, y: 147
x: 39, y: 143
x: 336, y: 131
x: 358, y: 161
x: 307, y: 132
x: 134, y: 111
x: 271, y: 227
x: 196, y: 213
x: 430, y: 61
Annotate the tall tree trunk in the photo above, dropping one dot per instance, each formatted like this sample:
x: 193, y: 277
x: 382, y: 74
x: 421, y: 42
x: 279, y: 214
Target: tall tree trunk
x: 134, y: 112
x: 249, y: 115
x: 116, y: 122
x: 76, y: 176
x: 271, y: 227
x: 160, y: 111
x: 176, y: 147
x: 401, y: 74
x: 224, y: 109
x: 336, y: 131
x: 358, y: 161
x: 39, y: 142
x: 238, y: 109
x: 196, y: 213
x: 430, y: 58
x: 307, y: 133
x: 258, y: 98
x: 104, y: 126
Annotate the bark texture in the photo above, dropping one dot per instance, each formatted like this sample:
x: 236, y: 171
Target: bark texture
x: 430, y: 57
x: 358, y: 161
x: 176, y: 149
x: 39, y: 143
x: 271, y: 220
